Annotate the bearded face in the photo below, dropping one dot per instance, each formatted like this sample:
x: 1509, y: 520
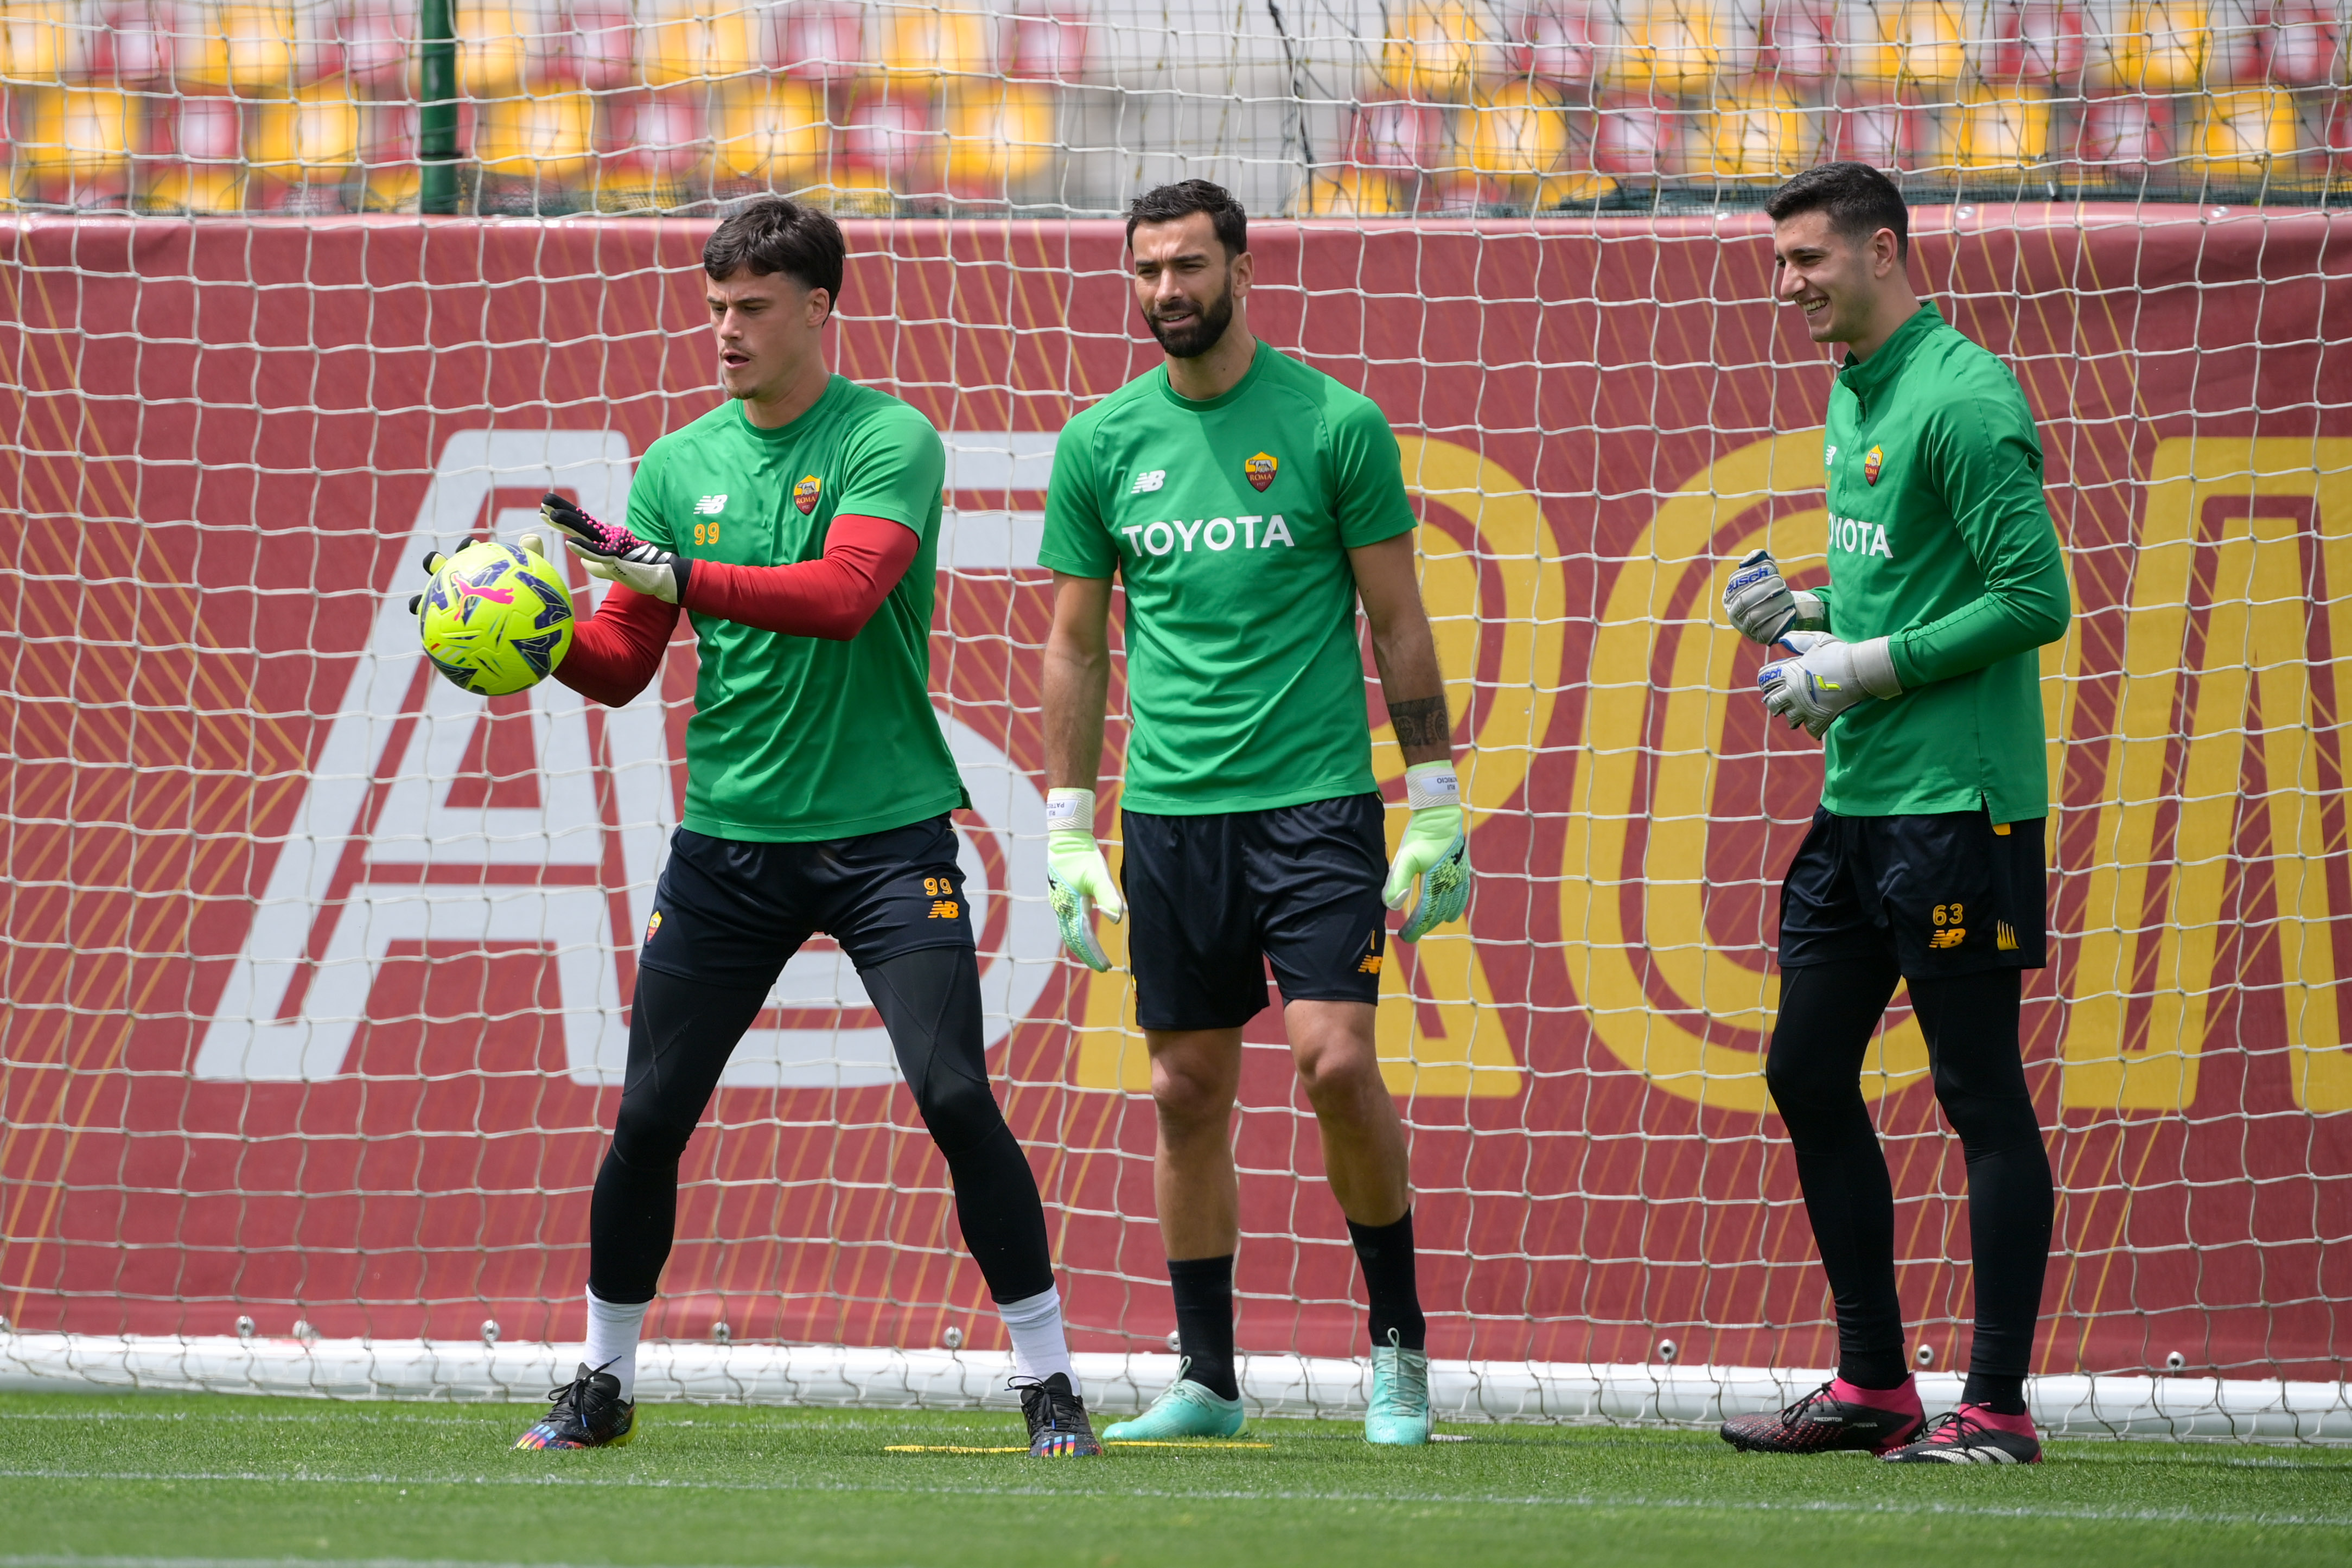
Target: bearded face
x: 1189, y: 326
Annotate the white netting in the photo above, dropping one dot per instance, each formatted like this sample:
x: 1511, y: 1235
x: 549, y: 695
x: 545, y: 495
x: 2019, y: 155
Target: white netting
x: 315, y: 968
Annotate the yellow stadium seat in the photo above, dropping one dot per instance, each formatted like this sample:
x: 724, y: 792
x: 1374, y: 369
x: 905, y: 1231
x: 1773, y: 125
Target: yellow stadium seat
x: 38, y: 44
x: 544, y: 135
x: 1767, y: 138
x: 2247, y: 135
x: 773, y: 132
x: 926, y: 41
x: 1921, y: 44
x: 2162, y: 48
x: 1518, y: 142
x: 997, y: 136
x: 259, y: 48
x: 1354, y: 192
x: 1433, y: 51
x: 76, y: 134
x: 494, y: 49
x: 886, y: 143
x: 1676, y: 47
x: 2005, y: 131
x: 317, y: 131
x: 698, y: 40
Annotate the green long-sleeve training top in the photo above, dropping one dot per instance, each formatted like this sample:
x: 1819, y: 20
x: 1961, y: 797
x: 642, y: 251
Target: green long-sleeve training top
x: 1940, y: 541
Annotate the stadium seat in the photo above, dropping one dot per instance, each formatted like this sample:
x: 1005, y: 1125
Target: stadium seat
x: 1882, y: 132
x: 2004, y: 129
x: 2121, y: 138
x: 1801, y: 45
x: 998, y: 135
x: 2247, y: 136
x: 1919, y: 45
x: 39, y: 44
x: 315, y: 133
x: 1675, y: 47
x: 2161, y: 48
x: 659, y: 134
x: 884, y: 148
x: 547, y: 136
x: 773, y: 133
x: 1431, y: 51
x: 1632, y: 136
x: 927, y: 43
x: 1049, y: 44
x: 1355, y: 193
x: 2303, y: 46
x: 602, y: 45
x: 73, y: 145
x: 493, y: 50
x: 1761, y: 140
x: 377, y: 37
x: 696, y: 40
x: 260, y: 49
x: 818, y: 40
x: 1518, y: 143
x: 1397, y: 136
x: 1558, y: 47
x: 199, y: 162
x: 2038, y: 42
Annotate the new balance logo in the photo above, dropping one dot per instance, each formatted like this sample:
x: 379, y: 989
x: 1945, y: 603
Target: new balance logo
x: 1145, y: 483
x: 944, y: 909
x: 1952, y: 937
x: 1370, y: 963
x: 710, y: 506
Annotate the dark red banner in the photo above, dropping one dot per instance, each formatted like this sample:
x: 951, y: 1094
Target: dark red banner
x: 316, y: 968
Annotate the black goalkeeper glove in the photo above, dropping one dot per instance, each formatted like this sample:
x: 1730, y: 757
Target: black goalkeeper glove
x: 617, y: 555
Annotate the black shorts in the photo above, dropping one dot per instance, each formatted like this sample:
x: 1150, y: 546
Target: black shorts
x: 731, y: 912
x: 1943, y: 892
x: 1212, y: 898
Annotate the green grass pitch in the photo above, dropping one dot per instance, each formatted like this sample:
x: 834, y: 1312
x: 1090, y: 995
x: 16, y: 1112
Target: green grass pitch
x: 164, y: 1479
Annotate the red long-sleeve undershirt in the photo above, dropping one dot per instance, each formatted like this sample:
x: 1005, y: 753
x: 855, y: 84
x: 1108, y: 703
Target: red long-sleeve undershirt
x: 616, y: 651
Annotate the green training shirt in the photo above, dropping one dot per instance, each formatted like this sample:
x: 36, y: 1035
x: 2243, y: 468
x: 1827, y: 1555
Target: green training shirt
x: 797, y: 739
x: 1940, y: 540
x: 1230, y: 519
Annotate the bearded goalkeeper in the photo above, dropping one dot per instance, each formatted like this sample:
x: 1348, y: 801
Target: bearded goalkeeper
x: 797, y: 523
x: 1917, y: 665
x: 1247, y: 503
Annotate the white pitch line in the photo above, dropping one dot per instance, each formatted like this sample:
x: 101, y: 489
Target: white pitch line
x: 1567, y: 1500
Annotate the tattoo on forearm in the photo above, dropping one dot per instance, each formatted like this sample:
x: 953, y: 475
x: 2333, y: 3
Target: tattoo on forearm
x: 1421, y: 722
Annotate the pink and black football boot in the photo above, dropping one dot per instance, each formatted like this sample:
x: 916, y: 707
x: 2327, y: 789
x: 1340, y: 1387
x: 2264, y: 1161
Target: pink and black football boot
x: 1836, y: 1416
x: 1973, y: 1435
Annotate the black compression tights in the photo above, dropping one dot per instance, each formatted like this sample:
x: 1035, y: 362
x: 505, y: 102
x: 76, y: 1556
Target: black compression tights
x: 1828, y: 1014
x: 681, y: 1034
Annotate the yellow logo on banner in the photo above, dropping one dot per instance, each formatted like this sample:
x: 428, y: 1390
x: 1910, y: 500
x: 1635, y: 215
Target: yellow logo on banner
x: 1440, y: 1033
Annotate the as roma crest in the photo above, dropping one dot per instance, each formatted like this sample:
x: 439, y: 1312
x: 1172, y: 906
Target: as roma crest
x: 1871, y: 463
x: 804, y: 493
x: 1260, y: 469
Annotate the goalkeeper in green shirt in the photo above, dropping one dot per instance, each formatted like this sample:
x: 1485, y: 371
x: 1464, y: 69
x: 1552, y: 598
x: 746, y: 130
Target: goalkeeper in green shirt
x: 1247, y: 503
x: 1917, y: 666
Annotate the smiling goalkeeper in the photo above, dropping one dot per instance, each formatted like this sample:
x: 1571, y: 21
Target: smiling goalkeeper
x: 1925, y: 861
x: 1248, y: 503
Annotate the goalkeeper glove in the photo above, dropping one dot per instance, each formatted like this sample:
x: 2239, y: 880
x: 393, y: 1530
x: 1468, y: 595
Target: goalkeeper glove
x: 1077, y: 878
x: 1436, y: 850
x: 1826, y: 677
x: 1763, y: 607
x: 617, y: 555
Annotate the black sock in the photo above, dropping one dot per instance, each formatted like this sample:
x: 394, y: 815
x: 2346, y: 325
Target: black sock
x: 2002, y: 1395
x: 1204, y: 1321
x: 1385, y: 1254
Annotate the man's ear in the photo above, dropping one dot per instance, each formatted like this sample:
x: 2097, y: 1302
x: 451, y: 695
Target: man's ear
x: 1886, y: 252
x: 1243, y: 268
x: 821, y: 298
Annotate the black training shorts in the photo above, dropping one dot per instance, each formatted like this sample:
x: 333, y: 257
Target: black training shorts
x: 1946, y: 893
x: 731, y: 912
x: 1212, y: 898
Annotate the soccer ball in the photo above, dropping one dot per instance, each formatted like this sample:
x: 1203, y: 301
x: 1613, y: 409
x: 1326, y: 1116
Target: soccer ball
x: 495, y: 619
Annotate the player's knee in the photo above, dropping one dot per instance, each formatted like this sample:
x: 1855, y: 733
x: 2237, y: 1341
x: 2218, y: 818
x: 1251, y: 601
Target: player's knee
x: 1992, y: 1125
x: 1188, y: 1094
x: 1339, y: 1077
x: 647, y: 1135
x: 960, y: 1113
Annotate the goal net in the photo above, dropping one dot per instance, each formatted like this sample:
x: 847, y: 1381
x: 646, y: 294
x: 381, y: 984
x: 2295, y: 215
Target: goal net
x: 317, y: 969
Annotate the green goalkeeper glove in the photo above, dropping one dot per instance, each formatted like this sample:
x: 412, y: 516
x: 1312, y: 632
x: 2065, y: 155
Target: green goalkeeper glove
x: 1077, y: 878
x: 1436, y: 850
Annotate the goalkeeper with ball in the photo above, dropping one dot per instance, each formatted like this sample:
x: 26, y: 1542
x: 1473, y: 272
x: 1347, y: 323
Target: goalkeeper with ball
x: 1916, y: 666
x: 797, y: 523
x: 1247, y: 503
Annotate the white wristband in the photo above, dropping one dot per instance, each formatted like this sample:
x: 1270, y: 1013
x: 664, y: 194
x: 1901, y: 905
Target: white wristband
x: 1431, y: 783
x: 1070, y: 808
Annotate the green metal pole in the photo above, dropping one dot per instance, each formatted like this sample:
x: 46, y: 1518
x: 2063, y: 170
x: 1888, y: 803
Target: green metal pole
x: 437, y: 115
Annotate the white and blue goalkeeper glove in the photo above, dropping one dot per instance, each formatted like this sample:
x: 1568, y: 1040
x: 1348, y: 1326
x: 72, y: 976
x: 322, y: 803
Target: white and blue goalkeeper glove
x: 1763, y: 607
x: 1077, y: 878
x: 1825, y: 679
x: 1435, y: 851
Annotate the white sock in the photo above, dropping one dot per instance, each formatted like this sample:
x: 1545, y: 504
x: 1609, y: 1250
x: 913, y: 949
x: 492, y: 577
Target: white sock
x: 612, y: 1341
x: 1040, y: 1349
